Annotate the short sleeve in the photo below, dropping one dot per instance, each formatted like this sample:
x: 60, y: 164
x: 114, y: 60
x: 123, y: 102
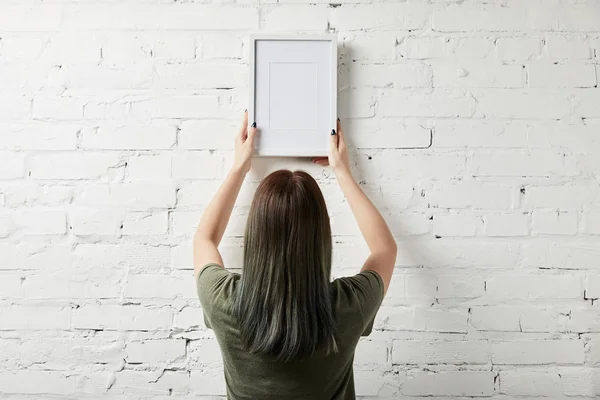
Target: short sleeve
x: 367, y: 287
x: 210, y: 285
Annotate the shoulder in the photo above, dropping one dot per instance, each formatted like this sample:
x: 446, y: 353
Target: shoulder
x: 364, y: 283
x: 215, y: 283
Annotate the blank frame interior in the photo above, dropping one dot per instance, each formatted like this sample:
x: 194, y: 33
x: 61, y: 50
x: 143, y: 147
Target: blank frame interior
x: 293, y: 87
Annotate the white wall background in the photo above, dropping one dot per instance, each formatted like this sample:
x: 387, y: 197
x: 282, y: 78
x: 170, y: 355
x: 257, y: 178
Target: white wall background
x: 475, y: 128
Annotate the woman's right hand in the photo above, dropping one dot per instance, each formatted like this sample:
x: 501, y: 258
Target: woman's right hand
x: 338, y: 152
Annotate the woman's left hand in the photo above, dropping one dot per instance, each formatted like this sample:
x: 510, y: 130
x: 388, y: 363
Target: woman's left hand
x: 244, y: 145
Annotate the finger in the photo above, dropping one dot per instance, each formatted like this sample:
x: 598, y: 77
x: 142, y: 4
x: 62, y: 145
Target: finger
x: 317, y: 159
x: 333, y: 140
x: 252, y: 133
x: 244, y: 127
x: 340, y: 133
x: 322, y: 162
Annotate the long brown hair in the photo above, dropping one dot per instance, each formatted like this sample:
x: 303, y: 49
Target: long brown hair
x: 283, y: 302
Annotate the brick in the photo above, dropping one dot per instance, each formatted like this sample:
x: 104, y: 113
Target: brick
x: 189, y: 318
x: 533, y: 287
x: 146, y: 223
x: 356, y: 103
x: 43, y: 136
x: 159, y: 383
x: 87, y: 222
x: 551, y: 382
x: 518, y: 48
x: 201, y: 76
x: 473, y: 74
x: 466, y: 18
x: 563, y: 254
x: 592, y: 287
x: 422, y: 48
x: 369, y: 46
x: 454, y: 225
x: 64, y: 48
x: 410, y: 166
x: 387, y: 133
x: 28, y: 194
x: 388, y: 75
x: 33, y: 256
x: 21, y: 49
x: 149, y: 167
x: 12, y: 166
x: 510, y: 224
x: 582, y: 17
x: 562, y: 75
x: 208, y: 134
x: 159, y: 16
x: 563, y: 197
x: 470, y: 48
x: 205, y: 352
x: 84, y: 283
x: 568, y: 137
x: 561, y: 46
x: 371, y: 352
x: 449, y: 383
x: 34, y: 318
x: 60, y: 108
x: 587, y: 103
x: 470, y: 194
x: 456, y: 352
x: 208, y: 382
x: 521, y: 164
x: 522, y: 104
x: 135, y: 256
x: 221, y: 47
x: 457, y: 286
x: 27, y: 18
x: 436, y: 103
x: 126, y: 48
x: 14, y: 107
x: 174, y: 47
x: 155, y: 351
x: 388, y: 16
x: 70, y: 352
x: 106, y: 76
x: 54, y: 382
x: 42, y: 222
x: 130, y: 137
x: 160, y: 287
x: 121, y: 318
x: 553, y: 222
x: 422, y: 319
x: 583, y: 321
x: 138, y: 195
x: 10, y: 285
x: 72, y: 166
x: 177, y: 107
x: 197, y: 165
x: 296, y: 18
x: 538, y: 352
x: 593, y: 351
x: 519, y: 319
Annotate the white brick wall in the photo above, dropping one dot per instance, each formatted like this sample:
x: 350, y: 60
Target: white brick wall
x: 474, y: 127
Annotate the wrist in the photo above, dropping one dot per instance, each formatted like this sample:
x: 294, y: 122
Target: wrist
x: 238, y: 170
x: 343, y: 172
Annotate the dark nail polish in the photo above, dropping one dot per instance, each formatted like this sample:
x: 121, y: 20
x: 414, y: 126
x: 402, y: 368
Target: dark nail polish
x: 332, y: 132
x: 254, y: 124
x: 338, y: 119
x: 246, y: 110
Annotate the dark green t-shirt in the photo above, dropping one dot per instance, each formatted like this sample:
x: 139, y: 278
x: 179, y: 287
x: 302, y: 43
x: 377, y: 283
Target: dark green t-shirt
x: 356, y: 300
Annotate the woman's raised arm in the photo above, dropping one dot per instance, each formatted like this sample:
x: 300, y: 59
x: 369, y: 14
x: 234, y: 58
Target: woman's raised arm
x: 216, y: 216
x: 373, y: 227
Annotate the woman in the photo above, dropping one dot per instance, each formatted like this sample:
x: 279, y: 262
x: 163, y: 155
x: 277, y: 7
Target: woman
x: 285, y: 331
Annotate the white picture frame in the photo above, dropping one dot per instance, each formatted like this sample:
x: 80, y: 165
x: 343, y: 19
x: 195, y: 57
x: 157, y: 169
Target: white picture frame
x: 293, y: 93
